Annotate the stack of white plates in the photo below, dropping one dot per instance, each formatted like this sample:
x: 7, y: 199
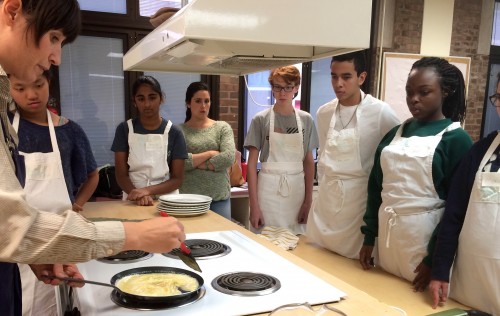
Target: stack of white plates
x: 184, y: 204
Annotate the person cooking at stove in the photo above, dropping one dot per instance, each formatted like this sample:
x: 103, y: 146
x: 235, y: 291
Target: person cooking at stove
x: 149, y: 150
x: 211, y: 151
x: 469, y: 234
x: 412, y: 171
x: 349, y: 129
x: 32, y: 33
x: 61, y: 145
x: 281, y: 193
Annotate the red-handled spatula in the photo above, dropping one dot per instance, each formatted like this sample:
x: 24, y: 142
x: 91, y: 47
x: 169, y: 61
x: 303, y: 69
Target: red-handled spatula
x: 185, y: 254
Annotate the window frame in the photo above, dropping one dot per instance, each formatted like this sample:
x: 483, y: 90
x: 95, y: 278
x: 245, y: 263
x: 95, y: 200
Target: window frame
x: 131, y: 28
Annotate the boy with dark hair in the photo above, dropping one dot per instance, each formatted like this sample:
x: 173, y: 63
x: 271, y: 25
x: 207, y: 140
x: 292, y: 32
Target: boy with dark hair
x: 349, y: 129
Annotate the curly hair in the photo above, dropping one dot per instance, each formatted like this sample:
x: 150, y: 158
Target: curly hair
x: 452, y: 85
x: 290, y: 74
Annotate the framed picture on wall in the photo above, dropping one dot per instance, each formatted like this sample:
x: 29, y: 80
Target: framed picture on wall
x: 395, y: 70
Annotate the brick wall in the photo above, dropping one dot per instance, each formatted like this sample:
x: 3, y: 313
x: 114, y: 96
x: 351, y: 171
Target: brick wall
x: 407, y: 36
x: 229, y: 102
x: 464, y: 43
x: 408, y: 26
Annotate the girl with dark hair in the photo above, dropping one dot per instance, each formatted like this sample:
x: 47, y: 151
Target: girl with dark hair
x: 211, y: 151
x: 47, y: 139
x: 149, y: 150
x: 469, y: 233
x: 412, y: 172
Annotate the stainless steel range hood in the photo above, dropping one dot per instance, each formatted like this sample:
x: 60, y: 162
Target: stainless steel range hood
x: 238, y: 37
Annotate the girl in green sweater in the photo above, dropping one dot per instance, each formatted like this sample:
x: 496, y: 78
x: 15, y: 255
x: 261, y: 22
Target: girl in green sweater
x: 211, y: 151
x: 413, y: 167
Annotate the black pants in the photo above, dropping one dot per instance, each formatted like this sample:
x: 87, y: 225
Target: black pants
x: 10, y: 290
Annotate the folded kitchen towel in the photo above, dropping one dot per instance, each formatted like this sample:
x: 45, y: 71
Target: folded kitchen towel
x: 281, y: 237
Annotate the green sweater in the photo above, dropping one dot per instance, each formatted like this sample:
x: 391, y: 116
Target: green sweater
x: 450, y: 150
x: 213, y: 183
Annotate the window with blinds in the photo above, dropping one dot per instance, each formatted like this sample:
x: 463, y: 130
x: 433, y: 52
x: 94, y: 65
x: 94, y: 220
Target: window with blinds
x: 92, y: 90
x: 110, y: 6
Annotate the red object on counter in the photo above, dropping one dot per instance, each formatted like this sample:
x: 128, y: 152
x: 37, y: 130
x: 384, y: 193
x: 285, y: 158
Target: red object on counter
x: 244, y: 170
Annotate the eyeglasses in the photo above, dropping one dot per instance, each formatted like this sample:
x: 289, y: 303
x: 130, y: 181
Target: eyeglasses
x: 495, y: 100
x: 277, y: 88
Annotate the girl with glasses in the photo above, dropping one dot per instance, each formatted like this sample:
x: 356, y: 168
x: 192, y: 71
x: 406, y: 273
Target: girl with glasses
x: 283, y: 137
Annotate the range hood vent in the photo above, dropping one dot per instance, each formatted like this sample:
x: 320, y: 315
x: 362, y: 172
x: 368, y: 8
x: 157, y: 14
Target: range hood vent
x: 238, y: 37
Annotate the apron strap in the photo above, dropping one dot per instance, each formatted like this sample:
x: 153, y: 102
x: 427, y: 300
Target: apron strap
x: 284, y: 186
x: 392, y: 221
x: 52, y: 131
x: 15, y: 121
x: 333, y: 120
x: 165, y: 134
x: 130, y: 126
x: 299, y: 127
x: 489, y: 152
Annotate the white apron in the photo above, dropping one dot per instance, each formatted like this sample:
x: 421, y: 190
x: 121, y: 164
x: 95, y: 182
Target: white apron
x: 476, y: 272
x: 281, y: 185
x: 147, y: 158
x: 46, y: 190
x: 335, y: 216
x: 411, y: 207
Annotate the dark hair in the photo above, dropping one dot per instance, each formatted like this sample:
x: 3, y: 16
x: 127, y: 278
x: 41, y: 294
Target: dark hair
x: 190, y: 91
x: 45, y: 15
x: 357, y: 58
x: 147, y: 80
x: 452, y: 84
x: 48, y: 74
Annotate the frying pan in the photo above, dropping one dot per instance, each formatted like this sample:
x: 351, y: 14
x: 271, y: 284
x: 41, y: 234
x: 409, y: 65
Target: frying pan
x: 173, y: 299
x: 132, y: 298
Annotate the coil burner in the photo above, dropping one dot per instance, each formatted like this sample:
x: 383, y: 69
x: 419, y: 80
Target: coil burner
x: 202, y: 249
x: 127, y: 257
x: 144, y: 305
x: 246, y: 284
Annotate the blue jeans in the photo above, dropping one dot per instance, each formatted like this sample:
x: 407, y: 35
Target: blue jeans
x: 222, y: 207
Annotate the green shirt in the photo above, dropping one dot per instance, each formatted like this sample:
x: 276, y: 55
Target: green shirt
x: 450, y: 150
x: 213, y: 183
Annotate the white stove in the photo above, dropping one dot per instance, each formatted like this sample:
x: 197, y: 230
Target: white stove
x: 247, y: 255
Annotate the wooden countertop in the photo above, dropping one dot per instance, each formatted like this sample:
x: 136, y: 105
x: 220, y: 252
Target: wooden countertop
x: 368, y: 292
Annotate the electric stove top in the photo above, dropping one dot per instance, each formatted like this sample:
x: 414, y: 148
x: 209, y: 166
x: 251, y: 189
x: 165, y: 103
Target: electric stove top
x: 292, y: 284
